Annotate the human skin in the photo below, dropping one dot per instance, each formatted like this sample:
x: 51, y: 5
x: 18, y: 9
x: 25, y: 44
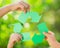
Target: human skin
x: 13, y: 39
x: 53, y: 43
x: 22, y: 6
x: 50, y: 37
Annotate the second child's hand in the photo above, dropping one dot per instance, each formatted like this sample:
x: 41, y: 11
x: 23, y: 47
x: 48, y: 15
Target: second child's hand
x: 13, y: 39
x: 22, y: 6
x: 51, y: 39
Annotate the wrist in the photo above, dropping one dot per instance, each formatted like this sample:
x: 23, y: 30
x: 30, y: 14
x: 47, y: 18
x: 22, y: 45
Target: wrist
x: 13, y: 7
x: 10, y: 44
x: 11, y: 41
x: 55, y: 44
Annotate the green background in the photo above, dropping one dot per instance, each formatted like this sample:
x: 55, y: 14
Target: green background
x: 48, y: 9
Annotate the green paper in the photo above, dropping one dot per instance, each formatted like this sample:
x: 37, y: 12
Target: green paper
x: 17, y: 27
x: 35, y: 16
x: 38, y: 38
x: 42, y: 28
x: 23, y: 17
x: 26, y: 36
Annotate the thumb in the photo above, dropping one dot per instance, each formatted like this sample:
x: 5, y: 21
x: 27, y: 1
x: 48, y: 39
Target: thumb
x: 46, y: 34
x: 51, y: 33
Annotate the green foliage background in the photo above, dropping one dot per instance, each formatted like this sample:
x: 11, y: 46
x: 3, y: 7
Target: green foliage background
x: 48, y: 9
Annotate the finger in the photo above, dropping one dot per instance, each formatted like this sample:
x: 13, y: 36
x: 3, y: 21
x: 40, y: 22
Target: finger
x: 20, y: 37
x: 18, y: 9
x: 27, y: 7
x: 46, y: 34
x: 50, y: 32
x: 45, y: 38
x: 16, y: 35
x: 21, y: 7
x: 17, y: 39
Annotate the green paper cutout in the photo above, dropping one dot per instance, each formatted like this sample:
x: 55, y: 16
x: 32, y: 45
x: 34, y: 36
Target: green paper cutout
x: 35, y: 16
x: 23, y: 17
x: 42, y: 28
x: 17, y: 27
x: 26, y: 36
x: 38, y: 38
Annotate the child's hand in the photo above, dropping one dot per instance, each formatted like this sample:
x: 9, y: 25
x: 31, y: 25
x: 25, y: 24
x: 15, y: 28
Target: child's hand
x: 51, y: 39
x: 16, y: 6
x: 20, y: 6
x: 15, y: 38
